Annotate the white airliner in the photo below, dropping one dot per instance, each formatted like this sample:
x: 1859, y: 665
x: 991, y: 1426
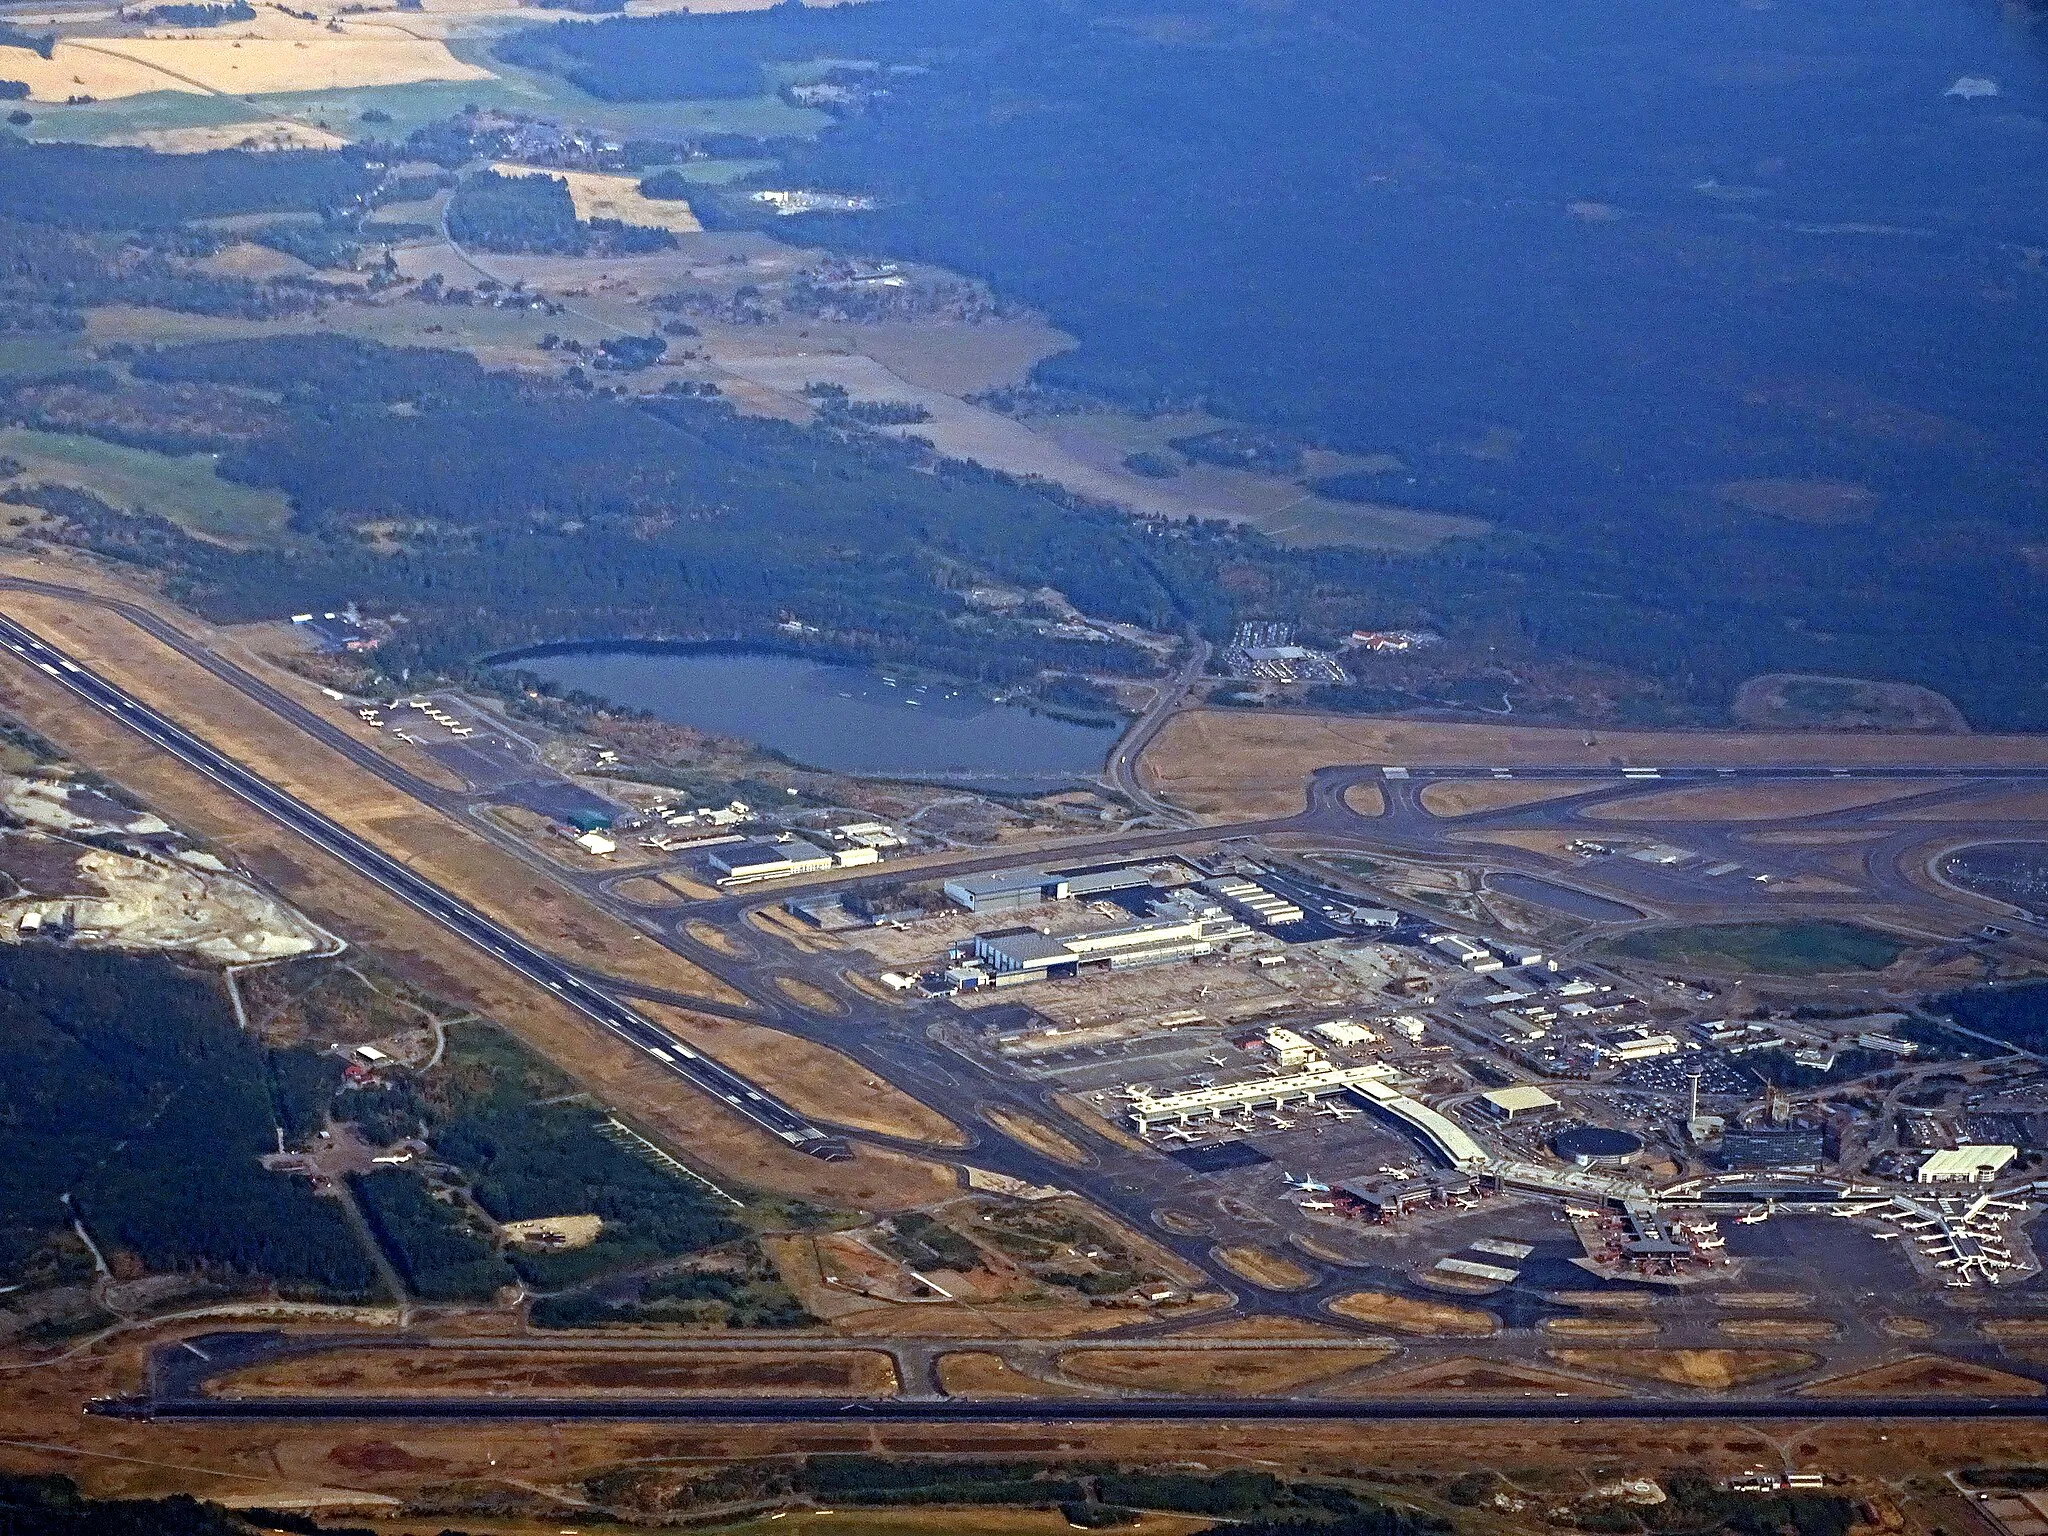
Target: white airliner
x: 1315, y: 1205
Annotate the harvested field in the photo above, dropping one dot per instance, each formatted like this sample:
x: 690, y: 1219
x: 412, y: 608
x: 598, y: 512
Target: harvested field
x: 815, y: 1078
x: 1778, y: 1328
x: 439, y: 848
x: 1037, y: 1135
x: 1926, y: 1376
x: 1424, y: 1319
x: 1366, y: 800
x: 2013, y: 1327
x: 1271, y: 752
x: 568, y: 1373
x: 114, y: 67
x: 560, y: 1232
x: 600, y: 196
x: 1478, y: 1378
x: 1714, y: 1370
x: 267, y: 134
x: 1268, y: 1270
x: 1602, y: 1327
x: 1468, y: 797
x: 977, y: 1373
x: 1760, y: 801
x: 1238, y: 1372
x: 805, y: 995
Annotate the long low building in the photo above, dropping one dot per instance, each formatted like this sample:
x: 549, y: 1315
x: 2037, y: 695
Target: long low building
x: 1016, y: 955
x: 1448, y: 1139
x: 1149, y: 1109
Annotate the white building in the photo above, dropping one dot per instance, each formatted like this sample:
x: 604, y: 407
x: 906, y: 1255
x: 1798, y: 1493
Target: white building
x: 1968, y: 1164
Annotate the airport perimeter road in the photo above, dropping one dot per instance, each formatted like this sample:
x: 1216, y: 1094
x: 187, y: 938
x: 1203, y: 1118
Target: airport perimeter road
x: 1048, y: 1411
x: 374, y: 864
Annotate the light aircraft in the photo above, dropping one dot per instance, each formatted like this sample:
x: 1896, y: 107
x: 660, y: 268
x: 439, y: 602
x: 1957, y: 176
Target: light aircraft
x: 1308, y: 1182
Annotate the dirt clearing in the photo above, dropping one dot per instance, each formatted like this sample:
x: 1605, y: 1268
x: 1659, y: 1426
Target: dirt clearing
x: 1602, y: 1327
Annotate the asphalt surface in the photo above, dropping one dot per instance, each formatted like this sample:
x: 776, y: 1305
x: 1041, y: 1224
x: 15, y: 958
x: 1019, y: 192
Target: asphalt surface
x: 421, y: 894
x: 1062, y: 1410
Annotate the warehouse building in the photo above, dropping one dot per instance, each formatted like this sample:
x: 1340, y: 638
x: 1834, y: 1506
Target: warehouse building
x: 1016, y: 955
x: 758, y: 859
x: 1522, y: 1099
x: 1253, y: 902
x: 1968, y: 1164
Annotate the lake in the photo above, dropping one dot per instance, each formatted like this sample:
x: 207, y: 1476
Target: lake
x: 1584, y: 904
x: 845, y: 719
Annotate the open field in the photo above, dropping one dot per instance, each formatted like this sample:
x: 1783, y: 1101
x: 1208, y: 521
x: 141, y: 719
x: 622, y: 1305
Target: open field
x: 1267, y: 1270
x: 184, y: 489
x: 1606, y: 1301
x: 567, y: 1373
x: 1037, y: 1135
x: 114, y: 67
x: 1777, y: 1301
x: 940, y: 1520
x: 1272, y: 751
x: 1233, y: 1372
x: 977, y: 1373
x: 711, y: 936
x: 814, y: 1078
x: 647, y: 892
x: 1926, y: 1376
x: 1753, y: 802
x: 1812, y: 948
x: 1466, y: 797
x: 601, y: 196
x: 1425, y: 1319
x: 2017, y: 803
x: 1714, y: 1370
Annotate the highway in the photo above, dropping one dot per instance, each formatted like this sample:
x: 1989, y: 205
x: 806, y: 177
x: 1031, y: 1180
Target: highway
x: 424, y: 896
x: 1045, y: 1411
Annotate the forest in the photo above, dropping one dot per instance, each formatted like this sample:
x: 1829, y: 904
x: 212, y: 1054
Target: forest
x: 125, y: 1083
x: 1531, y: 304
x: 486, y: 1112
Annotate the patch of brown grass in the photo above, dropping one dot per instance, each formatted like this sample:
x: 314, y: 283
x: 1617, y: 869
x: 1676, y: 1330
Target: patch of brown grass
x: 1926, y: 1376
x: 1602, y: 1327
x: 1425, y: 1319
x: 1773, y: 1328
x: 1714, y: 1370
x: 816, y: 1079
x: 1037, y: 1135
x: 1264, y: 1268
x: 1236, y: 1372
x: 454, y: 1371
x: 1754, y: 801
x: 978, y: 1373
x: 1468, y: 797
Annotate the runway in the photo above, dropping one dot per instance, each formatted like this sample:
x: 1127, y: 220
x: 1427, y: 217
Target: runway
x: 426, y: 897
x: 1053, y: 1411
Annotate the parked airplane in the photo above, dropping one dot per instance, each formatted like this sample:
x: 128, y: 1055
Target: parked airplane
x: 1308, y: 1182
x: 1754, y: 1217
x: 1315, y: 1205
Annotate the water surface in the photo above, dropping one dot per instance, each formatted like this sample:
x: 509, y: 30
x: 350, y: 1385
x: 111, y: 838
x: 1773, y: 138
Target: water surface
x: 846, y: 719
